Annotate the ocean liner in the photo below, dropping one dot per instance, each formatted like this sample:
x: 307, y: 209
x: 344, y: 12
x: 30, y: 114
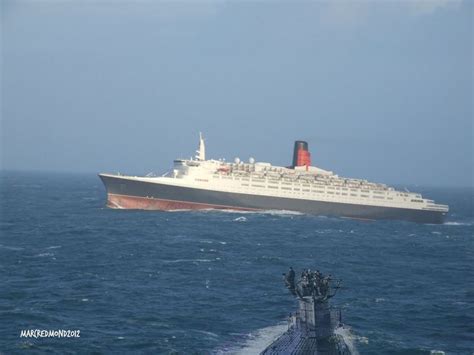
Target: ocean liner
x: 197, y: 183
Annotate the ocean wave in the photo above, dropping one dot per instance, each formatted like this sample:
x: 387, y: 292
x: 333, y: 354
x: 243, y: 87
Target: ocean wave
x: 41, y: 255
x: 240, y: 219
x: 6, y: 224
x: 187, y: 261
x: 269, y: 257
x: 206, y: 241
x: 229, y: 210
x: 207, y: 210
x: 256, y: 212
x: 349, y: 338
x: 457, y: 224
x: 54, y: 247
x: 205, y: 333
x: 257, y: 341
x: 283, y: 213
x: 331, y: 231
x: 10, y: 248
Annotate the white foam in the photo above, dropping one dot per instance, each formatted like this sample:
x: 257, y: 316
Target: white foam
x: 209, y: 334
x: 457, y: 224
x: 44, y: 254
x: 270, y: 212
x: 54, y: 247
x: 10, y: 248
x: 283, y: 213
x: 437, y: 352
x: 349, y: 338
x: 217, y: 210
x: 187, y: 261
x: 259, y: 341
x: 240, y: 219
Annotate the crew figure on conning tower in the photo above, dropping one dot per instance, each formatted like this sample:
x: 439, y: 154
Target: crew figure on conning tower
x: 290, y: 280
x: 311, y: 283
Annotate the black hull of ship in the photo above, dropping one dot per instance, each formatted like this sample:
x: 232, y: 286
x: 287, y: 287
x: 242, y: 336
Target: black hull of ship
x: 124, y: 193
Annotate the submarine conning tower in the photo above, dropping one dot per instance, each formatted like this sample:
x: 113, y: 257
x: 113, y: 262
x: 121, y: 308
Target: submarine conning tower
x: 301, y: 154
x: 314, y: 328
x: 317, y: 317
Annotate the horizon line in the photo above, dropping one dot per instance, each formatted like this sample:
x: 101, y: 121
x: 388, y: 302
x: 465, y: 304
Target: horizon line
x: 395, y: 184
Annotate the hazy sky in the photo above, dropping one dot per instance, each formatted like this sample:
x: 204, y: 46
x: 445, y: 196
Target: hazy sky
x: 380, y: 90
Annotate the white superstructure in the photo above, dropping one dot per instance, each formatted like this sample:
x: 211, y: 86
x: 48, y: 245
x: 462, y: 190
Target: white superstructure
x: 301, y: 182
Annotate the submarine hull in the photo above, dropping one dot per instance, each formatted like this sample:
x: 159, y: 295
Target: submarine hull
x: 313, y: 330
x: 297, y: 342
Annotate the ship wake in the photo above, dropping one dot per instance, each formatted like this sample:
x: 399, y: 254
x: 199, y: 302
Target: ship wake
x: 349, y: 338
x: 259, y: 340
x: 256, y: 342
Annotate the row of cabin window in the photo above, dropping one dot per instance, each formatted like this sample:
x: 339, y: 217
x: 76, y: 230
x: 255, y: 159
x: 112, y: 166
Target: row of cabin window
x: 321, y: 192
x: 314, y: 191
x: 307, y: 190
x: 305, y: 185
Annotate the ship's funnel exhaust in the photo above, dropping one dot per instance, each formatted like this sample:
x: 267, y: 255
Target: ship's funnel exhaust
x: 301, y: 154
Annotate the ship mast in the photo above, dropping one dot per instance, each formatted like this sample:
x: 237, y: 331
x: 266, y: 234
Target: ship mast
x: 201, y: 152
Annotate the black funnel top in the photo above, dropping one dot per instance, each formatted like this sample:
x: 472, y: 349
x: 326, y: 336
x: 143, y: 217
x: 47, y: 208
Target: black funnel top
x: 299, y: 145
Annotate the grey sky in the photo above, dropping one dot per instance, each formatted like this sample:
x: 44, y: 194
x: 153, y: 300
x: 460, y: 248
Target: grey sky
x: 380, y: 90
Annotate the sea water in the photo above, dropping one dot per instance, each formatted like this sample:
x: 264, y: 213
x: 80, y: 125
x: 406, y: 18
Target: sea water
x: 210, y: 282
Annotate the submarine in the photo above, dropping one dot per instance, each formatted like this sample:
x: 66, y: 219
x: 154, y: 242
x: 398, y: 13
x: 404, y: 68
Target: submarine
x: 316, y: 327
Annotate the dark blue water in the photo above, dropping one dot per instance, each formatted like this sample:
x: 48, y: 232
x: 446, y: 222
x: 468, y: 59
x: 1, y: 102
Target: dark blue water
x: 210, y: 282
